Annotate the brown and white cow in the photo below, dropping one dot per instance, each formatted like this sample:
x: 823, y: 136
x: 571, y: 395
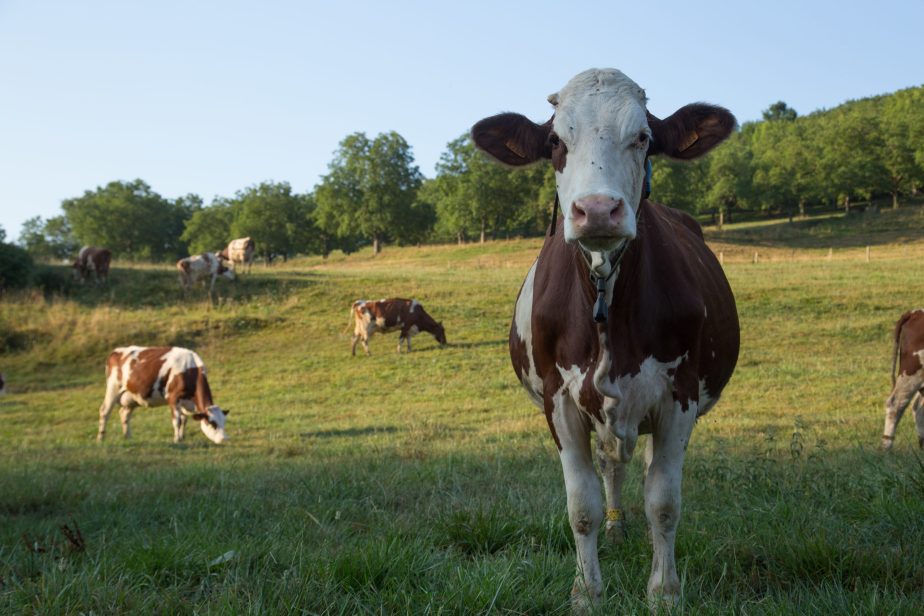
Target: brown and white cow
x: 92, y: 259
x: 625, y: 324
x: 157, y: 376
x: 388, y: 315
x: 207, y: 266
x: 908, y: 357
x: 240, y: 251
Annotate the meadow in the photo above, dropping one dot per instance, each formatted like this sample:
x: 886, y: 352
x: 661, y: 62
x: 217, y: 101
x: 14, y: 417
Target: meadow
x: 426, y: 482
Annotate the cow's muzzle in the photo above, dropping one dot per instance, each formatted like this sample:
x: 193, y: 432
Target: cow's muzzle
x: 600, y: 221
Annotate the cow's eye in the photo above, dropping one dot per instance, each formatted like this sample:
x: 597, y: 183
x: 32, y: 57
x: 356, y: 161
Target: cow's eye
x: 642, y: 139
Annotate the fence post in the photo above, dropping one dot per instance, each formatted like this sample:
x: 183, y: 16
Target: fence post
x: 722, y: 258
x: 830, y: 253
x: 867, y: 254
x: 756, y: 257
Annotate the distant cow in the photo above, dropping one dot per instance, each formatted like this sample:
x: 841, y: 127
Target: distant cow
x: 206, y: 266
x: 240, y: 251
x: 91, y: 258
x: 2, y: 384
x: 908, y: 357
x: 388, y: 315
x: 158, y: 376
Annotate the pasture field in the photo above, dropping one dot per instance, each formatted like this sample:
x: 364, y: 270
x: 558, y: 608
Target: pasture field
x: 427, y: 483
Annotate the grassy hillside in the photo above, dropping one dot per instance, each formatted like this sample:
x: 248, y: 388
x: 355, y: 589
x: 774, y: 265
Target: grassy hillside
x: 427, y: 482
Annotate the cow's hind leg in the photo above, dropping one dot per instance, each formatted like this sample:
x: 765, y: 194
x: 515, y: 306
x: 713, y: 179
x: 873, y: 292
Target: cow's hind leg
x: 662, y: 499
x: 918, y: 406
x: 125, y: 414
x: 109, y: 403
x: 614, y: 474
x: 353, y: 346
x: 906, y: 386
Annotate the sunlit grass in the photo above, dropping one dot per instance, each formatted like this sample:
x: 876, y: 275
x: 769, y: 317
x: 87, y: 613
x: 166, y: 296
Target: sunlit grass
x: 427, y: 482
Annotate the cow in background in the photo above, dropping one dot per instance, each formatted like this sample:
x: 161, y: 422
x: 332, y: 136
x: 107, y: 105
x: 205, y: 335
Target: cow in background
x: 241, y: 251
x: 388, y: 315
x: 207, y: 266
x: 908, y: 357
x: 157, y: 376
x: 625, y: 323
x: 2, y: 384
x: 92, y: 259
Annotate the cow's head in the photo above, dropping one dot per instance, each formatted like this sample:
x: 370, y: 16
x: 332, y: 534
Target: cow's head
x: 225, y: 271
x: 439, y: 333
x: 212, y: 422
x: 598, y: 140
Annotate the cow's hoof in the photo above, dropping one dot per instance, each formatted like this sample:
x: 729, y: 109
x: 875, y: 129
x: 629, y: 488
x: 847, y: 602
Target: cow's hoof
x: 886, y: 444
x: 583, y: 599
x: 663, y: 602
x: 616, y: 532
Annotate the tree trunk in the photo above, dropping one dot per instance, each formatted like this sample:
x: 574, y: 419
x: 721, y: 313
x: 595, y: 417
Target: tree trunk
x: 847, y: 205
x: 721, y: 217
x: 483, y: 225
x: 894, y: 199
x: 376, y: 244
x: 459, y: 238
x: 801, y: 208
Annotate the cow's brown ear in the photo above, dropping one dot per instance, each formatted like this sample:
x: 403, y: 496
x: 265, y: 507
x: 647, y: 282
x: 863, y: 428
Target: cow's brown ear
x: 691, y: 131
x: 513, y: 139
x: 226, y: 412
x: 200, y: 416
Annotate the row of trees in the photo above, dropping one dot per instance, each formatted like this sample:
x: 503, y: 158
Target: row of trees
x: 374, y: 193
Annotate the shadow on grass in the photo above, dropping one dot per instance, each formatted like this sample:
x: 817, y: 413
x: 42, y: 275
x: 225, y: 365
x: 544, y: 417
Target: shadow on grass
x: 350, y: 432
x: 159, y: 286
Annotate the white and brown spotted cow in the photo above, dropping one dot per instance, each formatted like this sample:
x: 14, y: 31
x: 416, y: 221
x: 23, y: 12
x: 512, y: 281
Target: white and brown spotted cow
x: 157, y: 376
x: 207, y: 266
x: 239, y: 251
x: 907, y: 387
x: 388, y: 315
x: 625, y: 324
x: 92, y: 259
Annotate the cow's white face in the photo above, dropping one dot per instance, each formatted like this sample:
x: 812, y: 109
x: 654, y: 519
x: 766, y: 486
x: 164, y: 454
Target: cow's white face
x: 599, y: 140
x: 213, y: 426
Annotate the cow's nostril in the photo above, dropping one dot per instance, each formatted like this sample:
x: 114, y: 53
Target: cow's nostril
x: 577, y: 211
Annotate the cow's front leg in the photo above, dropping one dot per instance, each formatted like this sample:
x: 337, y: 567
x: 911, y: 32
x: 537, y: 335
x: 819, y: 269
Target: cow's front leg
x: 614, y: 474
x: 905, y: 389
x: 585, y: 506
x: 400, y: 340
x: 179, y: 423
x: 662, y: 498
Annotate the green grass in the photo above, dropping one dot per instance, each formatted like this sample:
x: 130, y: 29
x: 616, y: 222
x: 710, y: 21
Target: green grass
x: 427, y: 483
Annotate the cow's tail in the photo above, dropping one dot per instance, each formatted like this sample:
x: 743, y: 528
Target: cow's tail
x: 897, y: 342
x: 352, y: 321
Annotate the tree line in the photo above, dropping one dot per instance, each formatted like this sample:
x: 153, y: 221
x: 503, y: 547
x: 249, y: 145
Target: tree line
x: 374, y: 193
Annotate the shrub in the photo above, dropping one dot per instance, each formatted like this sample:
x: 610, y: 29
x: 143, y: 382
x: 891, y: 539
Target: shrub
x: 15, y: 267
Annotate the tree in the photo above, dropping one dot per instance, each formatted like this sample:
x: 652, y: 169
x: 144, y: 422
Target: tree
x: 371, y: 187
x: 780, y: 111
x: 902, y: 121
x: 729, y: 183
x: 130, y: 219
x: 278, y: 220
x: 48, y: 239
x: 209, y: 228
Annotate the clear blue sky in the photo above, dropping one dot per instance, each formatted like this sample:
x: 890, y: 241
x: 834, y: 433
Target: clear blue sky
x: 211, y: 97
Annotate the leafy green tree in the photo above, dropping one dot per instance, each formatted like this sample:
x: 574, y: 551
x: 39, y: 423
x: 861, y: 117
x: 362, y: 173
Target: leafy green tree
x: 130, y: 219
x: 729, y: 176
x: 15, y: 265
x: 780, y: 111
x: 370, y: 189
x: 681, y: 184
x: 48, y: 239
x: 278, y: 220
x: 209, y: 228
x: 902, y: 121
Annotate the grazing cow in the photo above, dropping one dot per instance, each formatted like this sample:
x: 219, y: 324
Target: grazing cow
x: 388, y: 315
x: 91, y: 258
x: 625, y: 324
x: 202, y: 267
x: 157, y: 376
x: 239, y: 251
x: 2, y: 384
x: 908, y: 357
